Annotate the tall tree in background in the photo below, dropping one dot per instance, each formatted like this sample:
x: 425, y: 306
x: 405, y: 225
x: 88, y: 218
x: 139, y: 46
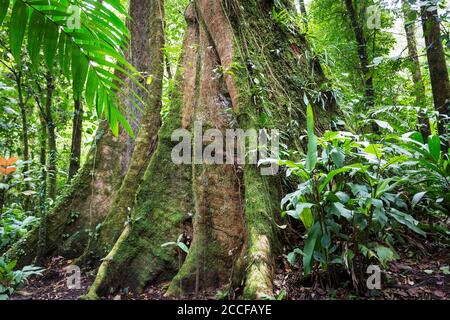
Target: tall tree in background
x: 437, y: 65
x: 409, y: 17
x: 77, y: 135
x: 357, y: 23
x: 51, y: 129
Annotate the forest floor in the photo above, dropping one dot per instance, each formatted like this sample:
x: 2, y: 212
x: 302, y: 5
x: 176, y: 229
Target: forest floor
x: 420, y: 273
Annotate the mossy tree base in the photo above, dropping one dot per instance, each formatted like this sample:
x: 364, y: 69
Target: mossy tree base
x: 233, y: 230
x: 238, y: 66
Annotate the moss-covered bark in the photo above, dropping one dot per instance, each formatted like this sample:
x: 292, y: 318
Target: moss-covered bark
x: 240, y: 68
x: 147, y: 52
x: 163, y: 205
x: 227, y: 46
x: 82, y: 206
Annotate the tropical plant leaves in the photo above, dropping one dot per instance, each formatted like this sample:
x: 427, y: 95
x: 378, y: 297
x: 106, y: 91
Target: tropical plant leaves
x: 17, y: 28
x: 87, y: 39
x: 311, y: 159
x: 4, y: 5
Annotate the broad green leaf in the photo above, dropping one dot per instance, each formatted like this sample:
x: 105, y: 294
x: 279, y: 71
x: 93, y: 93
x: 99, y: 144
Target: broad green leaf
x: 417, y: 197
x: 375, y: 149
x: 334, y: 173
x: 384, y: 125
x: 385, y: 254
x: 434, y: 146
x: 35, y: 37
x: 80, y: 68
x: 17, y: 28
x: 310, y: 245
x: 342, y: 210
x: 51, y: 37
x: 4, y: 5
x: 338, y: 157
x: 406, y: 220
x: 311, y: 159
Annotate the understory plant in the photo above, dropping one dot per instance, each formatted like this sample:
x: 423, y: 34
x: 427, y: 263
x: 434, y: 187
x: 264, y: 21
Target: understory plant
x: 11, y: 280
x: 352, y: 197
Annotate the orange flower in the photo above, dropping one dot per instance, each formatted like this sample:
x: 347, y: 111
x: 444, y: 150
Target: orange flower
x: 7, y: 170
x: 7, y: 163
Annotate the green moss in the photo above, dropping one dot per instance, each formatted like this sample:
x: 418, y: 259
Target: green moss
x: 162, y: 203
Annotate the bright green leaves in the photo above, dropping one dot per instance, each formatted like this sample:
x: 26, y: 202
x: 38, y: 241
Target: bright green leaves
x: 80, y: 68
x: 434, y: 147
x: 310, y: 245
x: 17, y: 27
x: 50, y: 43
x: 4, y: 5
x: 303, y: 212
x: 35, y: 37
x: 375, y: 150
x: 311, y: 158
x: 87, y: 39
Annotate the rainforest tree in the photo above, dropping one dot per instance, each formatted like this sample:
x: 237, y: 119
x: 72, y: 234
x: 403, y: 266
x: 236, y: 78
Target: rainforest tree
x: 100, y: 95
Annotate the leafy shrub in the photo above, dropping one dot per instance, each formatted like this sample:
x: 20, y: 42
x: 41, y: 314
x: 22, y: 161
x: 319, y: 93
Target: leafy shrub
x: 11, y: 280
x: 352, y: 196
x: 14, y: 225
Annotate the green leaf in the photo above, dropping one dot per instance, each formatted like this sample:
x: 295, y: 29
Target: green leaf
x: 311, y: 160
x: 434, y: 146
x: 51, y: 38
x: 80, y: 67
x: 303, y: 212
x: 310, y: 245
x: 17, y: 28
x: 343, y: 211
x: 334, y: 173
x: 4, y: 5
x: 417, y: 197
x: 183, y: 247
x: 375, y: 149
x: 35, y: 37
x: 338, y: 157
x: 385, y: 254
x: 384, y: 125
x: 407, y: 220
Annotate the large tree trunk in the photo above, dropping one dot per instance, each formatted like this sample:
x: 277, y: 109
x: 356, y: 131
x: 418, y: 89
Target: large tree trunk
x: 438, y: 68
x: 232, y: 234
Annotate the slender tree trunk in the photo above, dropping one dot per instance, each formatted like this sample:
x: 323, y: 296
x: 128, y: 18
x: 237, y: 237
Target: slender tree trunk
x: 23, y: 112
x: 25, y: 135
x: 43, y: 225
x: 438, y: 69
x: 303, y: 7
x: 51, y: 127
x: 361, y: 42
x: 419, y: 87
x: 77, y: 135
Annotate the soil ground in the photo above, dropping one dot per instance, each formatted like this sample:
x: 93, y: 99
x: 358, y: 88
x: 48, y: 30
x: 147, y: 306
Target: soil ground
x: 422, y: 272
